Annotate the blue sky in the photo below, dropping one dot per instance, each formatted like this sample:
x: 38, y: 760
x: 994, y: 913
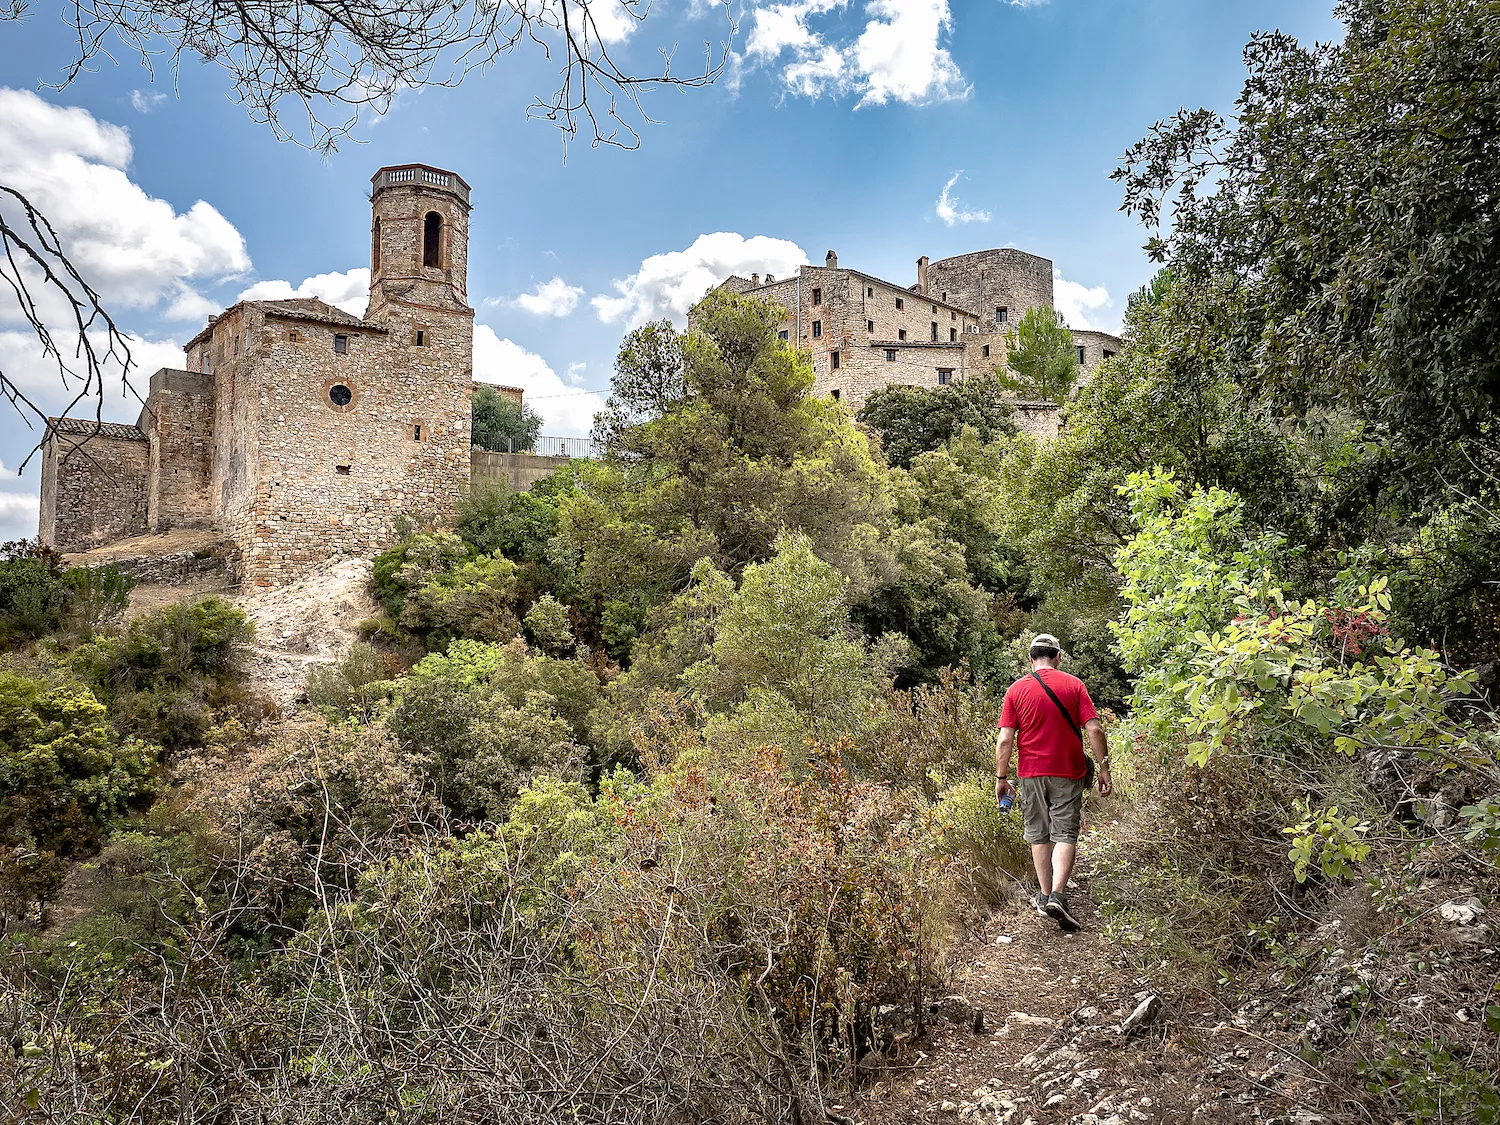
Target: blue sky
x: 838, y: 125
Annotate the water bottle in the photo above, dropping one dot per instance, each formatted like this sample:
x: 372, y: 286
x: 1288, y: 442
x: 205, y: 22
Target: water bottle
x: 1006, y: 801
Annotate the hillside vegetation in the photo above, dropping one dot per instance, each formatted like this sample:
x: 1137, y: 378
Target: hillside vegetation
x: 663, y: 792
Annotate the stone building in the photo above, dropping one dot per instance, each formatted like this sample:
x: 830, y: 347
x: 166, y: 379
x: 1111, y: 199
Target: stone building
x: 297, y: 431
x: 865, y: 333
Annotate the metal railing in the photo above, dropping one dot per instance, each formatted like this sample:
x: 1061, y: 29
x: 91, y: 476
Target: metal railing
x: 553, y: 447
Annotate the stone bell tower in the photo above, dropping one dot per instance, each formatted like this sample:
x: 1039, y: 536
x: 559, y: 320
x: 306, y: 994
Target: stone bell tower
x: 419, y: 242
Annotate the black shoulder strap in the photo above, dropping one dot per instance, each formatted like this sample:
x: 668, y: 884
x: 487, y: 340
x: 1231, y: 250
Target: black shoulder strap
x: 1052, y: 695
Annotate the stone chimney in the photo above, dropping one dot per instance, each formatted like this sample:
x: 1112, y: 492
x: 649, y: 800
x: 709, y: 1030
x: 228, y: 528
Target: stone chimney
x: 770, y: 278
x: 922, y: 274
x: 755, y: 279
x: 831, y: 260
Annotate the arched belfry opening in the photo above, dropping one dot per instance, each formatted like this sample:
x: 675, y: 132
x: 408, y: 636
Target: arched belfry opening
x: 432, y: 239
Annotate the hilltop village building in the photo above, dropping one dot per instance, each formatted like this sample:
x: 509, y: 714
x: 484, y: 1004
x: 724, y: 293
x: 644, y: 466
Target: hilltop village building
x: 296, y: 431
x: 865, y: 333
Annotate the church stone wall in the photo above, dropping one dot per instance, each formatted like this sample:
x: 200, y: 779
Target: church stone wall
x: 179, y: 425
x: 93, y: 485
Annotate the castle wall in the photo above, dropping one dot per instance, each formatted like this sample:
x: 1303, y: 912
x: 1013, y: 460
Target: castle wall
x: 93, y: 485
x: 179, y: 425
x: 1039, y: 419
x: 988, y: 280
x: 1097, y: 347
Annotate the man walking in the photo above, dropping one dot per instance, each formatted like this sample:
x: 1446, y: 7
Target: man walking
x: 1047, y: 712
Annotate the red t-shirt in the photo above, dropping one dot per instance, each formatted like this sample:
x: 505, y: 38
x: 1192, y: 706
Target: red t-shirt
x: 1045, y: 744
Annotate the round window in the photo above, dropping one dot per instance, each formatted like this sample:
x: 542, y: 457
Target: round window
x: 340, y: 395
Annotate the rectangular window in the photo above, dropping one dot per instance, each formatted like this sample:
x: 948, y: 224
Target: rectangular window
x: 869, y: 326
x: 817, y: 296
x: 952, y: 315
x: 1080, y: 353
x: 900, y: 333
x: 944, y: 297
x: 1000, y: 314
x: 986, y: 351
x: 817, y: 329
x: 900, y: 304
x: 340, y: 344
x: 419, y: 338
x: 934, y: 331
x: 236, y: 345
x: 945, y: 376
x: 416, y: 431
x: 890, y: 355
x: 1108, y: 354
x: 833, y: 360
x: 835, y: 394
x: 953, y: 335
x: 934, y: 308
x: 782, y: 335
x: 869, y: 291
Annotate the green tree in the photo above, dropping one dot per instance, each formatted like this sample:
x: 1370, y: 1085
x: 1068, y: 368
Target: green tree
x: 914, y: 420
x: 1041, y: 361
x: 650, y: 379
x: 501, y: 424
x: 1340, y: 230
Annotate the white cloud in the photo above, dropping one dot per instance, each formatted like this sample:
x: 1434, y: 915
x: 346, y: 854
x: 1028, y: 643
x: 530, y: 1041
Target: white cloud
x: 143, y: 102
x: 1081, y: 306
x: 189, y: 304
x: 613, y: 22
x: 18, y: 515
x: 565, y: 411
x: 549, y: 298
x: 349, y: 290
x: 133, y: 248
x: 36, y: 375
x: 672, y: 283
x: 952, y: 211
x: 897, y: 56
x: 575, y: 373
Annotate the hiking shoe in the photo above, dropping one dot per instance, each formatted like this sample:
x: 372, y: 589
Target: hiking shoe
x: 1057, y: 908
x: 1041, y: 903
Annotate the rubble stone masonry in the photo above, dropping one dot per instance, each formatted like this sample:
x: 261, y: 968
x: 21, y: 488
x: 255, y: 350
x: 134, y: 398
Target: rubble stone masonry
x: 93, y: 483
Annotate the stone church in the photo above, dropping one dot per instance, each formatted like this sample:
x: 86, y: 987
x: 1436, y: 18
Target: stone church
x: 297, y: 431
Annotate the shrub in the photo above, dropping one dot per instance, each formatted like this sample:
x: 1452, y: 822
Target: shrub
x: 352, y: 684
x: 64, y: 772
x: 100, y: 596
x: 548, y: 626
x: 33, y: 595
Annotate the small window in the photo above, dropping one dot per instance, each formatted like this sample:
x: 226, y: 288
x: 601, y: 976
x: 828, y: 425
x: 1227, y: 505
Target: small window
x: 340, y: 344
x: 1080, y: 353
x: 945, y: 376
x: 342, y: 470
x: 869, y: 326
x: 833, y: 360
x: 782, y: 335
x: 416, y: 431
x: 817, y: 329
x: 207, y: 362
x: 934, y: 331
x: 869, y: 291
x: 890, y: 355
x: 900, y: 304
x: 835, y: 394
x: 293, y: 335
x: 1001, y: 312
x: 419, y: 338
x: 900, y: 333
x: 986, y: 351
x: 944, y: 297
x: 236, y: 345
x: 340, y: 395
x: 375, y: 247
x: 817, y: 296
x: 1108, y: 354
x: 953, y: 335
x: 952, y: 315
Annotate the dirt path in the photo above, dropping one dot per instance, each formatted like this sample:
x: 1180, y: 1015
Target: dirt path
x: 1051, y: 1049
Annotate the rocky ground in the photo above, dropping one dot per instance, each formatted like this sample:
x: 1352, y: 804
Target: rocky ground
x: 313, y: 620
x: 1070, y: 1035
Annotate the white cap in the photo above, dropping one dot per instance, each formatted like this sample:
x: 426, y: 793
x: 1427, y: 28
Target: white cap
x: 1045, y: 640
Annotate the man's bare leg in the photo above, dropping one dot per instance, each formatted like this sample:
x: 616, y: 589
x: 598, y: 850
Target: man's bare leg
x: 1061, y: 864
x: 1041, y: 859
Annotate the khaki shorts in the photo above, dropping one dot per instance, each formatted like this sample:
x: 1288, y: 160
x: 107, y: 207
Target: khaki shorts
x: 1051, y: 807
